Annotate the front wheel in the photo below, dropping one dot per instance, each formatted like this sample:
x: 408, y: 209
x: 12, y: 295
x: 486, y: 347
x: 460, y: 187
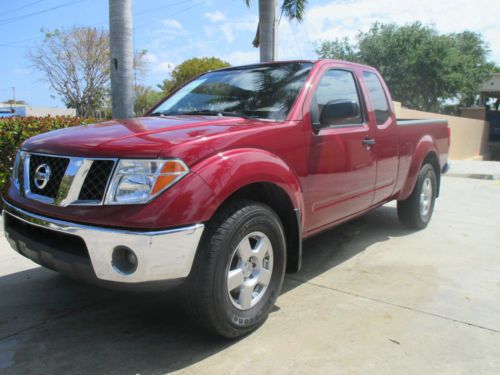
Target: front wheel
x: 415, y: 212
x: 239, y: 269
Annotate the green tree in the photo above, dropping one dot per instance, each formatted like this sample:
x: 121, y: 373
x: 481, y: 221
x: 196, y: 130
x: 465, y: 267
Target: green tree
x: 471, y: 64
x: 423, y: 68
x: 145, y: 98
x: 338, y: 49
x: 190, y: 69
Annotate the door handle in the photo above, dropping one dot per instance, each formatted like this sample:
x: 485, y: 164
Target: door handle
x: 369, y: 142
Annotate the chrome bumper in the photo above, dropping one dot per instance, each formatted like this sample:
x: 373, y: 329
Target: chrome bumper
x: 161, y: 255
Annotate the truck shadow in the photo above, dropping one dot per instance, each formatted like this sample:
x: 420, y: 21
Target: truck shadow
x: 55, y: 325
x: 333, y: 247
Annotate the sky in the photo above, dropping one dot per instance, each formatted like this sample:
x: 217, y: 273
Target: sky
x: 174, y: 30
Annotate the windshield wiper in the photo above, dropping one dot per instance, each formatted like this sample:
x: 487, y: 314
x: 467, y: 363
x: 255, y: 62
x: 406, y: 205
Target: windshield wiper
x: 209, y: 112
x: 202, y: 112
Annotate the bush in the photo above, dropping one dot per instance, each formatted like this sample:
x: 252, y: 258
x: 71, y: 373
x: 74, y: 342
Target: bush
x: 15, y: 130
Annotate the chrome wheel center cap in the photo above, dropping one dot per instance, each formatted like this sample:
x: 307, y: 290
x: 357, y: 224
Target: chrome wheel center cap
x: 247, y: 269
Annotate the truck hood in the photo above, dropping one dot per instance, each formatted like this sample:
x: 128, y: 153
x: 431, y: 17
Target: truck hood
x: 146, y: 137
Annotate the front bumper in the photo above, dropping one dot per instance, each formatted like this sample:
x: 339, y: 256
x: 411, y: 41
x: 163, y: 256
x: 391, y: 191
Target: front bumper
x: 77, y: 249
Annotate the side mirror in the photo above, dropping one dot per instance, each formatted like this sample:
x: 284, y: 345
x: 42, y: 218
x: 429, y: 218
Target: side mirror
x: 338, y: 111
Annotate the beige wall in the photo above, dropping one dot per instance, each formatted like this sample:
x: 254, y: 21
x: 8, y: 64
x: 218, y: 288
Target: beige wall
x: 469, y: 137
x: 46, y: 111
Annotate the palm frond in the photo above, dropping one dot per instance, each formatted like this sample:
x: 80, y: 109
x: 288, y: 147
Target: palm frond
x: 293, y: 9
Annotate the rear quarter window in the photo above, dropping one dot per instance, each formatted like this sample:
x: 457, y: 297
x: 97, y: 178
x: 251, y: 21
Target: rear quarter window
x: 378, y: 97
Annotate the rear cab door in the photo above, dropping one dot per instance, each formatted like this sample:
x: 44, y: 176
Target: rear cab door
x: 341, y: 165
x: 386, y: 147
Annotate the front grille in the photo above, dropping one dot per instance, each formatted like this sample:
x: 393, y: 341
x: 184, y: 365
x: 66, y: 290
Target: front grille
x: 57, y: 166
x: 95, y: 183
x: 20, y: 174
x: 64, y: 180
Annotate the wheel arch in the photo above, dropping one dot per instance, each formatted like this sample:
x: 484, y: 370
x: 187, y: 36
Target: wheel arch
x: 278, y: 200
x: 425, y: 153
x: 258, y: 175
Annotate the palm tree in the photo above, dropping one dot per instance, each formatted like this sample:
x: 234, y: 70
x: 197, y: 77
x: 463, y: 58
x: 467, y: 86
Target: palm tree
x: 266, y: 30
x: 122, y: 58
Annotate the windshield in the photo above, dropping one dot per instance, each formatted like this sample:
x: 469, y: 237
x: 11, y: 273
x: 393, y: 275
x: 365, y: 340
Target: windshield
x: 259, y: 91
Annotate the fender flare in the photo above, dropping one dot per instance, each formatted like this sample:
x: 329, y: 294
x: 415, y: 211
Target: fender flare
x: 229, y: 171
x: 425, y: 147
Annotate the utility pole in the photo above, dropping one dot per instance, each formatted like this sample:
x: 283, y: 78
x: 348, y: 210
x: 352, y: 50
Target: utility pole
x: 267, y: 23
x: 122, y: 58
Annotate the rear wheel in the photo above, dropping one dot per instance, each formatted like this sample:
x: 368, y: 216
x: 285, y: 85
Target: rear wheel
x: 415, y: 212
x: 238, y: 271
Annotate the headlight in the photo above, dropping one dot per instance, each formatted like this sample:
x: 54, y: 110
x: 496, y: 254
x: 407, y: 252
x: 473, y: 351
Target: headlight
x: 139, y: 181
x: 15, y: 170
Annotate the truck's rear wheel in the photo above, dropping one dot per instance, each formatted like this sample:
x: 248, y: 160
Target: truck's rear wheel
x: 239, y: 269
x: 415, y: 212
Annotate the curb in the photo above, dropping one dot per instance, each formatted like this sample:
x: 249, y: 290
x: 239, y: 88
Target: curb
x: 477, y: 176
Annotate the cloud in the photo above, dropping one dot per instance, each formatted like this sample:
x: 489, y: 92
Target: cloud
x: 165, y: 67
x: 227, y: 30
x: 171, y: 24
x: 231, y: 28
x: 216, y: 16
x: 242, y: 57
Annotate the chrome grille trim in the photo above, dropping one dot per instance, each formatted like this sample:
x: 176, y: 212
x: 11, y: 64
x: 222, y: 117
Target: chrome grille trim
x: 71, y: 183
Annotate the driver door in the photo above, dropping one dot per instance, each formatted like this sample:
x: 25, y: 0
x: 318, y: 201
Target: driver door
x: 341, y: 167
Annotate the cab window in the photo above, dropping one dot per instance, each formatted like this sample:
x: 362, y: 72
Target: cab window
x: 336, y: 85
x: 377, y: 95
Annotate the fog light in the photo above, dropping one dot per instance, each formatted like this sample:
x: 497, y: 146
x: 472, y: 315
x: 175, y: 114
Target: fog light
x: 124, y: 260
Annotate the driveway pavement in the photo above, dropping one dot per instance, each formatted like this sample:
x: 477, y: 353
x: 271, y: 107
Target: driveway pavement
x: 372, y: 297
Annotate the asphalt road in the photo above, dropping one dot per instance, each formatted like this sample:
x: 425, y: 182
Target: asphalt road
x: 372, y: 297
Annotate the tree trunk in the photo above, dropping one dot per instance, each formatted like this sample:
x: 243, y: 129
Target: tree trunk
x: 120, y: 41
x: 267, y: 10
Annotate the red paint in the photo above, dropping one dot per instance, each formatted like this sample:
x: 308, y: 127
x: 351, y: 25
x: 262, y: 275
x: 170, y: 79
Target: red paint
x: 331, y: 177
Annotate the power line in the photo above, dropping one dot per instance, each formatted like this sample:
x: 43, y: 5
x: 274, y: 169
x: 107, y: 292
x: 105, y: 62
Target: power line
x: 149, y: 11
x: 162, y: 7
x: 23, y: 7
x: 174, y: 13
x: 13, y: 44
x: 24, y: 16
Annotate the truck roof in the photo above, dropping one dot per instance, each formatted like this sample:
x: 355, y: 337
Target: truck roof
x: 315, y: 62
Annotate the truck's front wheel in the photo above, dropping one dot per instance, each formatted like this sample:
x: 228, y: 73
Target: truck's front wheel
x: 239, y: 269
x: 415, y: 212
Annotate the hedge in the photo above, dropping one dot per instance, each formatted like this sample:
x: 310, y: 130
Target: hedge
x: 15, y: 130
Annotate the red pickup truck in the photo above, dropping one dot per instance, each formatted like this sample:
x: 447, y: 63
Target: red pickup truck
x: 216, y: 187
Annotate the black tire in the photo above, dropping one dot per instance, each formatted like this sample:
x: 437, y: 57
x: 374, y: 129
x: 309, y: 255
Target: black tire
x: 409, y: 211
x: 206, y: 295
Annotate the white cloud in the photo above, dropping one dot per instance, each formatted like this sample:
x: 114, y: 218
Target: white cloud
x: 231, y: 28
x: 216, y: 16
x: 171, y: 24
x: 165, y: 67
x: 242, y: 57
x: 227, y: 30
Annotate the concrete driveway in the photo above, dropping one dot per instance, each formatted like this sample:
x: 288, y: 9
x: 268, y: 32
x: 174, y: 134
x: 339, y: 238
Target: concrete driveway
x: 372, y: 297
